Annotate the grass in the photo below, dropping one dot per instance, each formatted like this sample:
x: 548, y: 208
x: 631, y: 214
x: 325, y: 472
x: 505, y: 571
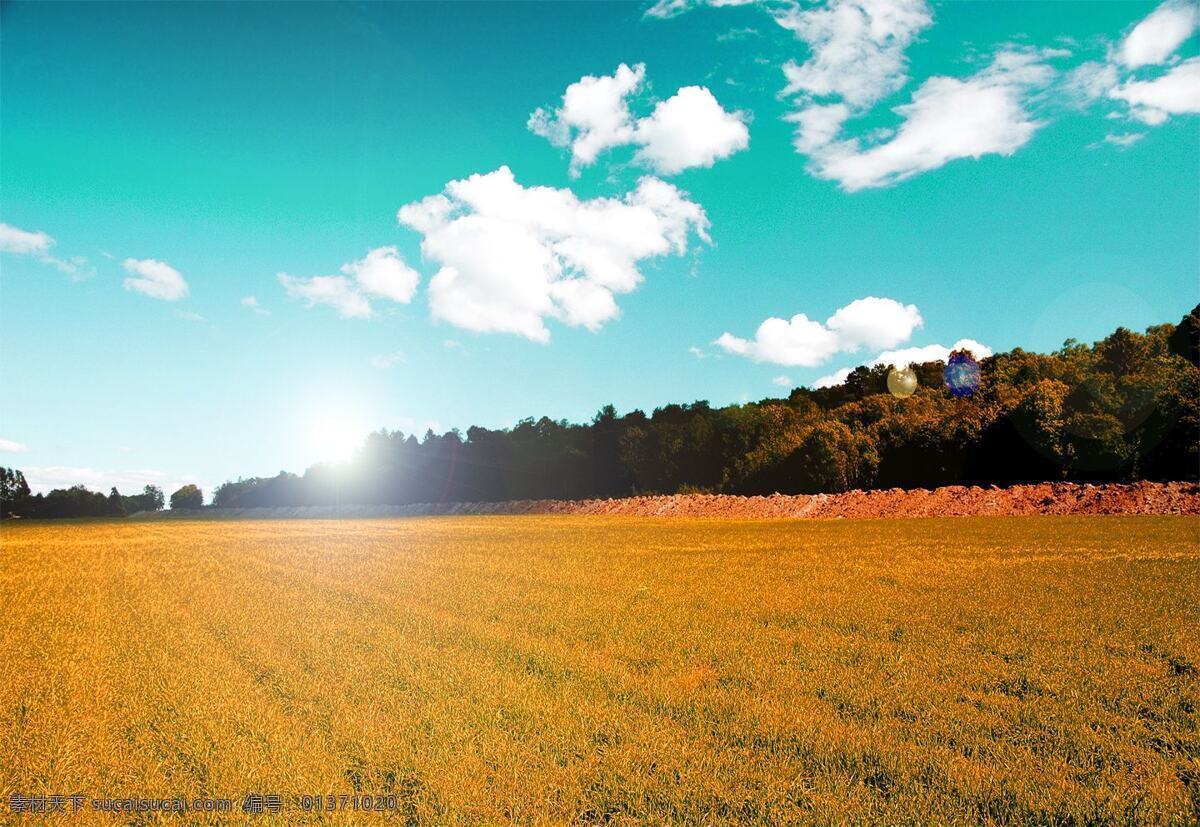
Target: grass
x: 613, y: 670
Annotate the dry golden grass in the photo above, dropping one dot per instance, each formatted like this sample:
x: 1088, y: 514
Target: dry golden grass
x: 559, y: 669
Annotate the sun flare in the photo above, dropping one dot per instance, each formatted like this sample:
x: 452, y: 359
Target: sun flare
x: 333, y: 435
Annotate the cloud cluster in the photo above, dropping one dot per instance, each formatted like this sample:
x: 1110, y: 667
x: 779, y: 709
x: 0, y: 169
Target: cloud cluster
x: 381, y: 274
x: 871, y: 322
x: 37, y: 245
x: 857, y: 57
x: 1153, y: 102
x: 689, y: 129
x: 155, y: 279
x: 9, y: 446
x: 512, y: 256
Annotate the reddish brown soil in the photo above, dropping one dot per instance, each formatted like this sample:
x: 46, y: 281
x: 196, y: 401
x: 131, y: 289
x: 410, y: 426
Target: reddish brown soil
x: 951, y: 501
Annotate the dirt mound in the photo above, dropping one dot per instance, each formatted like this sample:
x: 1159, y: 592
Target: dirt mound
x: 951, y: 501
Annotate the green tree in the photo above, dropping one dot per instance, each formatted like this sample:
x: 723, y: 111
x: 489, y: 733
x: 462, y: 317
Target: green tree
x: 189, y: 496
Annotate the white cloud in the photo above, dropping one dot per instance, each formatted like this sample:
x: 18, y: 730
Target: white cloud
x: 664, y: 9
x: 594, y: 115
x: 1150, y: 100
x: 8, y: 446
x: 1124, y: 141
x: 338, y: 292
x: 871, y: 322
x: 37, y: 244
x: 23, y: 242
x: 930, y: 353
x: 1175, y: 93
x: 42, y: 479
x: 155, y: 279
x: 251, y: 303
x: 386, y: 360
x: 1156, y: 37
x: 783, y: 381
x: 190, y: 316
x: 697, y: 352
x: 689, y: 129
x: 512, y: 256
x: 948, y: 119
x: 857, y: 47
x: 833, y: 379
x: 382, y: 273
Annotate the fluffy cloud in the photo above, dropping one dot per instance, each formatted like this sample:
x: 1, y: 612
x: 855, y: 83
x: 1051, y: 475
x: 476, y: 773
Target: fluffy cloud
x: 689, y: 129
x: 594, y: 115
x: 36, y: 244
x: 782, y: 381
x: 155, y: 279
x: 1155, y: 38
x: 512, y: 256
x: 1175, y: 93
x: 870, y: 322
x: 947, y: 119
x: 9, y: 446
x: 382, y: 274
x: 857, y: 47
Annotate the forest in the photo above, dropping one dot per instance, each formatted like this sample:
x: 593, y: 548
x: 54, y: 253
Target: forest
x: 1124, y: 408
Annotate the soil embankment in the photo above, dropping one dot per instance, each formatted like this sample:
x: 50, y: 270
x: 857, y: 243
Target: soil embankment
x: 951, y: 501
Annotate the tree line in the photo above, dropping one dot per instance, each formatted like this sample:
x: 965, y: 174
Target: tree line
x: 16, y: 499
x: 1124, y: 408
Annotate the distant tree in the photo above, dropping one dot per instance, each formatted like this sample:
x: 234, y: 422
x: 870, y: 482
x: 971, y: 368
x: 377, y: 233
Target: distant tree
x: 14, y: 492
x: 152, y: 497
x: 116, y: 503
x: 189, y: 496
x: 1185, y: 340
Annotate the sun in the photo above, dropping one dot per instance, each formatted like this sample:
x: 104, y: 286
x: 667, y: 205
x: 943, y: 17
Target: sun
x: 333, y: 435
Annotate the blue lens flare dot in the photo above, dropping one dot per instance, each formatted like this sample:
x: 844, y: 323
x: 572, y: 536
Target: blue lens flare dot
x: 961, y: 374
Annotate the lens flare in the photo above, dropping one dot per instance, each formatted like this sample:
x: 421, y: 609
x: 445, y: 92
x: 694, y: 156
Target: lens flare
x: 902, y: 382
x: 961, y: 374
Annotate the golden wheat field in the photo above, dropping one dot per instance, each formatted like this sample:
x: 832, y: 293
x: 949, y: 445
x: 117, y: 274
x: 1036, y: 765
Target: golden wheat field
x: 485, y: 670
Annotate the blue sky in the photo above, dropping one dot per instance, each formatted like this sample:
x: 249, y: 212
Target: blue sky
x: 726, y: 203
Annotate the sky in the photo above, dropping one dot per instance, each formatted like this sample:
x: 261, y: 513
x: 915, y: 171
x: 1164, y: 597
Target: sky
x: 235, y: 238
